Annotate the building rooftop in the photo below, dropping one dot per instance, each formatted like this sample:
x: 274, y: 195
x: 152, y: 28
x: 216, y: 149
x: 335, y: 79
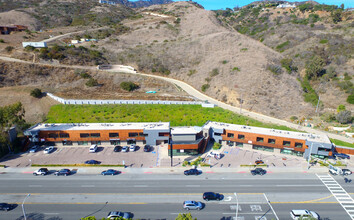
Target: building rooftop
x: 185, y: 130
x: 101, y: 126
x: 269, y: 131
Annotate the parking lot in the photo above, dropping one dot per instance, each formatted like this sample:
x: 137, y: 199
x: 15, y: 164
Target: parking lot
x: 78, y: 155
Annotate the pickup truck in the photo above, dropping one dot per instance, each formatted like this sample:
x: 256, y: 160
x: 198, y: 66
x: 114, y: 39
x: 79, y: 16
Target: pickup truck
x: 41, y: 171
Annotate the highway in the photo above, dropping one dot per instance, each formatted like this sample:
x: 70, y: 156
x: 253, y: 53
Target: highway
x: 160, y: 196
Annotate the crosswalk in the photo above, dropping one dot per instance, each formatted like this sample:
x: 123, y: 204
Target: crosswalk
x: 344, y: 199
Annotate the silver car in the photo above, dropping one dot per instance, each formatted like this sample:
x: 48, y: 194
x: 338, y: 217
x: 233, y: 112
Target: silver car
x: 114, y: 215
x: 34, y: 149
x: 192, y: 205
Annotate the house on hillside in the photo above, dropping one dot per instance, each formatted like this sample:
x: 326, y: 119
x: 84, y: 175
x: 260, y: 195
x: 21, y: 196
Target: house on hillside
x: 7, y: 29
x: 286, y: 5
x: 107, y: 2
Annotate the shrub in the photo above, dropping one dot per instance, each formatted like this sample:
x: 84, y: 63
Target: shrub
x: 310, y: 94
x: 85, y: 75
x: 37, y: 93
x: 340, y: 108
x: 91, y: 82
x: 276, y: 69
x: 191, y: 72
x: 224, y: 62
x: 288, y: 65
x: 323, y: 41
x: 281, y: 46
x: 214, y: 72
x: 185, y: 163
x: 216, y: 146
x: 9, y: 48
x: 344, y: 117
x: 236, y: 69
x: 2, y: 41
x: 205, y: 87
x: 314, y: 67
x: 128, y: 86
x: 293, y: 118
x: 350, y: 99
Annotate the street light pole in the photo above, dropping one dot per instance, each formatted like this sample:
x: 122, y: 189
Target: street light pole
x: 308, y: 160
x: 23, y: 208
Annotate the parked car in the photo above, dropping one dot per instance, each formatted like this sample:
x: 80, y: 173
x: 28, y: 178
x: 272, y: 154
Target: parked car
x: 341, y: 155
x: 117, y: 148
x: 303, y: 214
x: 215, y: 154
x: 62, y: 172
x: 187, y: 205
x: 212, y: 196
x: 92, y: 162
x: 346, y: 172
x: 48, y: 150
x: 125, y: 149
x: 113, y: 215
x: 110, y: 172
x: 192, y: 172
x: 34, y: 149
x: 5, y: 207
x: 259, y: 162
x: 147, y: 148
x: 93, y: 148
x: 41, y: 171
x: 132, y: 148
x: 258, y: 171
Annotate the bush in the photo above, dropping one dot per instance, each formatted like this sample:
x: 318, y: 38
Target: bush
x: 205, y: 87
x: 85, y: 75
x: 281, y: 46
x: 9, y: 48
x: 340, y: 108
x: 344, y: 117
x: 37, y: 93
x: 128, y: 86
x: 91, y: 82
x: 293, y: 118
x: 236, y: 69
x: 2, y: 41
x: 274, y: 69
x: 350, y: 99
x: 214, y: 72
x: 314, y: 67
x: 216, y: 146
x: 323, y: 41
x: 288, y: 65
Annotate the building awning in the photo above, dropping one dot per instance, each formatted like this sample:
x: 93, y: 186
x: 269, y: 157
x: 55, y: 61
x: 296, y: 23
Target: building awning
x: 287, y: 148
x: 114, y: 139
x: 131, y: 139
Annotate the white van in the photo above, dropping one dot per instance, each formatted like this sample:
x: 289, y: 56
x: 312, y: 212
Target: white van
x: 303, y: 214
x: 93, y: 148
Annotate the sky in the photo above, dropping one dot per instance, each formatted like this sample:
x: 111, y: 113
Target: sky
x: 223, y: 4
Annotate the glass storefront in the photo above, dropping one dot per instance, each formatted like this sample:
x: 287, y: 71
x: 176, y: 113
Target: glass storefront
x: 238, y: 144
x: 291, y: 152
x: 230, y: 143
x: 263, y: 148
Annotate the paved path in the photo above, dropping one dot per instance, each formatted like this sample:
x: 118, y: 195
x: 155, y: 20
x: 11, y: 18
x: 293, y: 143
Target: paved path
x: 192, y: 91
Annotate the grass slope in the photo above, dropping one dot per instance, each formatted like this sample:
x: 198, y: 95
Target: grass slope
x: 177, y: 115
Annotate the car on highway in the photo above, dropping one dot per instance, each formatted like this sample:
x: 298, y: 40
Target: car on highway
x: 92, y: 162
x: 132, y: 148
x: 341, y: 155
x: 303, y: 214
x: 110, y: 172
x: 41, y: 171
x: 258, y: 171
x: 125, y: 149
x: 346, y: 172
x: 48, y: 150
x: 212, y: 196
x: 117, y: 148
x: 5, y: 207
x: 62, y: 172
x: 114, y: 215
x: 34, y: 149
x: 192, y: 172
x: 147, y: 148
x: 93, y: 148
x: 192, y: 205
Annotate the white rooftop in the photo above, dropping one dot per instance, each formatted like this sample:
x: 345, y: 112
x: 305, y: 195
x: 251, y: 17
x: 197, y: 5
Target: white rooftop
x: 185, y: 130
x: 269, y: 131
x: 101, y: 126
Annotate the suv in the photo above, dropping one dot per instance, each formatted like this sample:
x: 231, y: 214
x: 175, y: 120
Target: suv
x: 212, y: 196
x: 114, y: 215
x: 48, y: 150
x: 63, y: 172
x: 258, y: 171
x: 34, y: 149
x: 192, y: 205
x: 147, y: 148
x: 303, y: 214
x: 346, y: 172
x: 93, y: 148
x: 41, y: 171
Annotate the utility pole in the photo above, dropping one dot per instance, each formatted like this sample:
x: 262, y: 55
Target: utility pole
x: 171, y: 149
x: 308, y: 160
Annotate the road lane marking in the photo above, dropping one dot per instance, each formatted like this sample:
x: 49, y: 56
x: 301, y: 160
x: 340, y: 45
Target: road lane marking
x: 192, y: 185
x: 34, y: 185
x: 140, y: 185
x: 51, y: 213
x: 87, y: 185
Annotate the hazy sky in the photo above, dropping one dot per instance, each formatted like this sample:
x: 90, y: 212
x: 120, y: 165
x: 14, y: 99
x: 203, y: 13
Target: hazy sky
x: 222, y: 4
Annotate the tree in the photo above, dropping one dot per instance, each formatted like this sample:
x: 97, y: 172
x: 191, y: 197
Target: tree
x: 128, y: 86
x: 340, y: 108
x: 344, y: 117
x: 184, y: 216
x: 350, y: 99
x: 336, y: 16
x: 314, y: 68
x: 37, y: 93
x: 91, y: 82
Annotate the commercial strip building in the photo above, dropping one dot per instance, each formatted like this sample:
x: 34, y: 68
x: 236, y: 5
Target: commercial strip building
x: 184, y: 140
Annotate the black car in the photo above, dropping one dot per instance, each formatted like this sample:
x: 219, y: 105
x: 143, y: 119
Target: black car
x: 117, y: 148
x: 212, y: 196
x: 62, y: 172
x: 5, y: 206
x: 92, y: 162
x: 110, y: 172
x: 191, y: 172
x: 341, y: 155
x: 258, y: 171
x: 147, y: 148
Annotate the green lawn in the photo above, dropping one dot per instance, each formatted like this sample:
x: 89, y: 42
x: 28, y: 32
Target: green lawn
x: 177, y: 115
x: 341, y: 143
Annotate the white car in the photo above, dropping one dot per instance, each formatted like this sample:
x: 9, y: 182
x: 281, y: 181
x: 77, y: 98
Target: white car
x: 93, y: 148
x: 33, y: 149
x: 125, y: 149
x: 303, y: 214
x: 132, y: 148
x: 214, y: 154
x: 48, y: 150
